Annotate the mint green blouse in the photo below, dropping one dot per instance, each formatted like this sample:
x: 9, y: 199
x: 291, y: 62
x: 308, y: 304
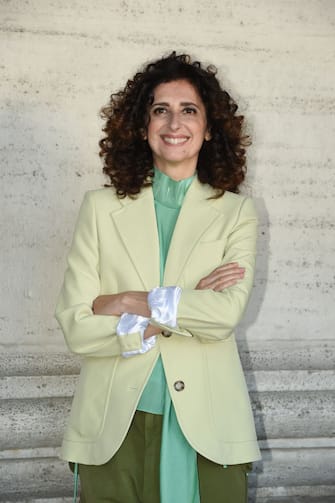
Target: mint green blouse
x: 178, y: 464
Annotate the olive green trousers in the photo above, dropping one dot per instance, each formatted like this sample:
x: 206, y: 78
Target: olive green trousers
x: 132, y: 475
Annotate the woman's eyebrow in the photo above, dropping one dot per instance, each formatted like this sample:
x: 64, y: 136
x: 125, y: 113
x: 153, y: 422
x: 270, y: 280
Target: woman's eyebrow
x: 183, y: 104
x: 189, y: 103
x: 161, y: 103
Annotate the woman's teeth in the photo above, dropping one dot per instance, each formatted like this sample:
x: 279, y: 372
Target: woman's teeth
x: 174, y: 141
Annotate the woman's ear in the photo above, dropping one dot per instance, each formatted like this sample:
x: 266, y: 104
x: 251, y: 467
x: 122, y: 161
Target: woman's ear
x: 144, y: 134
x: 208, y: 135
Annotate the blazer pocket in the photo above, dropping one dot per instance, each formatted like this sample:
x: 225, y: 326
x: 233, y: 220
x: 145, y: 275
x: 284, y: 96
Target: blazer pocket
x: 92, y: 397
x: 206, y: 256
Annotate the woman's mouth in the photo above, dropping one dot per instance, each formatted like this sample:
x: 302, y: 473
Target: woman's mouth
x: 174, y: 140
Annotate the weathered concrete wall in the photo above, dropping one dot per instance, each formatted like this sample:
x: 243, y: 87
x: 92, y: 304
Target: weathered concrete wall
x: 59, y: 62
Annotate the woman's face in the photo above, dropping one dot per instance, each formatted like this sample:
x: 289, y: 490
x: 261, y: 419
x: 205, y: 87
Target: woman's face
x: 177, y: 128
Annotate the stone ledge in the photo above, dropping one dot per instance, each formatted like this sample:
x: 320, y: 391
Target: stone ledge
x: 282, y: 414
x: 37, y: 364
x: 292, y: 354
x: 293, y: 494
x: 37, y: 423
x: 39, y: 500
x: 291, y: 499
x: 43, y: 386
x: 269, y: 355
x: 40, y: 422
x: 265, y: 445
x: 290, y: 380
x: 53, y: 386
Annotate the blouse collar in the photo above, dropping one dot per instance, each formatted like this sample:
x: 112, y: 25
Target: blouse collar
x: 169, y: 192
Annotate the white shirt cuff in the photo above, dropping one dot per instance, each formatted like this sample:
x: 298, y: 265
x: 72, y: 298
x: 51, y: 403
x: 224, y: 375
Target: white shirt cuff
x: 133, y: 323
x: 163, y: 302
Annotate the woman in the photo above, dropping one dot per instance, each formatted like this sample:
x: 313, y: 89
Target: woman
x: 159, y: 274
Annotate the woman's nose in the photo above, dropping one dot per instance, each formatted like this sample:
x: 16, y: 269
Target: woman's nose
x: 174, y: 122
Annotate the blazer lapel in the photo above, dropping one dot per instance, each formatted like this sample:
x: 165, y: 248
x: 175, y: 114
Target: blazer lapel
x: 136, y: 224
x: 196, y: 216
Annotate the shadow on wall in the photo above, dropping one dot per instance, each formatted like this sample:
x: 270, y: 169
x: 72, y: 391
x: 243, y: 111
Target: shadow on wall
x: 250, y: 318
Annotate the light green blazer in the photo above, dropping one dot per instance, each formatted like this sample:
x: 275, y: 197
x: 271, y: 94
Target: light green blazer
x: 115, y: 248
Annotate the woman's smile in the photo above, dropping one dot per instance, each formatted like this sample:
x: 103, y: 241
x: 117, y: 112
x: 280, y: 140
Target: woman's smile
x: 175, y: 140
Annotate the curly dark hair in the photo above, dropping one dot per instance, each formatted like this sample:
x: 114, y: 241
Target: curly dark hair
x: 127, y: 156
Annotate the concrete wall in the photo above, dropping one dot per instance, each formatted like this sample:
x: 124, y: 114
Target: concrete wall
x: 59, y: 62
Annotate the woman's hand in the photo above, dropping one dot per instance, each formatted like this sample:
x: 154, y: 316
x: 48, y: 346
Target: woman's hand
x: 222, y: 277
x: 124, y: 302
x: 108, y: 304
x: 151, y: 330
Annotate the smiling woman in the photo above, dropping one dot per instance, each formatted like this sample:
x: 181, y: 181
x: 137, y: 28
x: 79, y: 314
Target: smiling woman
x: 159, y: 274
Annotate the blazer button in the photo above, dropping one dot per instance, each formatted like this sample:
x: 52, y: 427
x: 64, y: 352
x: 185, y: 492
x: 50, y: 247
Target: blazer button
x: 166, y: 333
x: 179, y: 385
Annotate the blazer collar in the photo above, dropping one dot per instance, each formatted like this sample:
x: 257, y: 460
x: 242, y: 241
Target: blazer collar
x: 137, y: 227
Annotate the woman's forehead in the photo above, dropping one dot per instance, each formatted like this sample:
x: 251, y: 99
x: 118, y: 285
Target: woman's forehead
x: 177, y: 90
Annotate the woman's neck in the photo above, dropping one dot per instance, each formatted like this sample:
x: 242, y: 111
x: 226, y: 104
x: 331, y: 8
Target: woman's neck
x: 176, y: 171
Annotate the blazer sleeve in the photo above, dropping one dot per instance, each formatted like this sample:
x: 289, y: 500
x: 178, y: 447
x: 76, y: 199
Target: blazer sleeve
x: 212, y: 316
x: 86, y: 333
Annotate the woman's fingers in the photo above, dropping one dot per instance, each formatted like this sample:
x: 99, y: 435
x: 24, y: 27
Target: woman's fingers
x: 151, y: 330
x: 222, y: 277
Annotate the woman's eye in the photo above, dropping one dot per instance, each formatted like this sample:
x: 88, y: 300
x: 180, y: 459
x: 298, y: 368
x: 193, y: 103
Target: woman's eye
x: 159, y: 111
x: 189, y: 110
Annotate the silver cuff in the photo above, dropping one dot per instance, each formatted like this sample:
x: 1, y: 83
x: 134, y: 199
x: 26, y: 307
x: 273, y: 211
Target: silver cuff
x: 133, y: 323
x: 163, y: 302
